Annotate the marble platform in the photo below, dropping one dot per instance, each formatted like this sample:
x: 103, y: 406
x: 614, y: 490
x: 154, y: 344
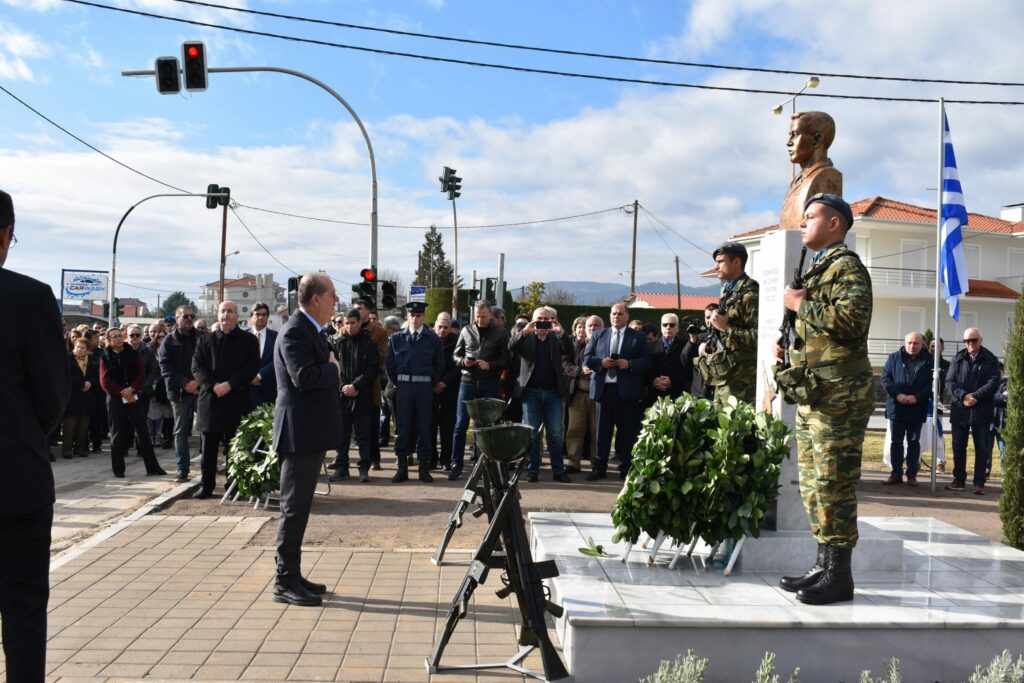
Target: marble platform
x: 955, y: 601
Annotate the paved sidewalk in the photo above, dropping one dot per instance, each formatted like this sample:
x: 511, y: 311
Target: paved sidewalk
x: 90, y: 497
x: 176, y: 597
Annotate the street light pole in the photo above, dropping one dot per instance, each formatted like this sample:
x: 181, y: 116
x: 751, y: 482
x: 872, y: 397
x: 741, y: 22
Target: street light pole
x: 777, y: 110
x: 359, y: 123
x: 113, y: 258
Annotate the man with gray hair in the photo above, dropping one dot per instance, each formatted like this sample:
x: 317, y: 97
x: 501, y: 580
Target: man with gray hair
x: 972, y: 383
x: 542, y: 385
x: 907, y: 381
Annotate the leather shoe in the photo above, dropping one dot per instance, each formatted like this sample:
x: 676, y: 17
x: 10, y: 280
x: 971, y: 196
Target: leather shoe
x: 364, y: 477
x: 202, y: 495
x: 156, y: 473
x: 594, y: 476
x: 314, y: 588
x: 332, y: 466
x: 979, y: 489
x: 563, y: 477
x: 339, y: 475
x: 454, y: 475
x: 911, y: 480
x: 532, y: 476
x: 893, y: 480
x: 296, y: 595
x: 569, y: 469
x: 400, y: 476
x: 425, y: 477
x: 376, y: 466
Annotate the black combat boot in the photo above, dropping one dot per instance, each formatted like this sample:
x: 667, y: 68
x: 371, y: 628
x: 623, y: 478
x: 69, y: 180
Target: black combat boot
x: 836, y: 584
x: 425, y: 472
x: 403, y: 471
x: 810, y: 577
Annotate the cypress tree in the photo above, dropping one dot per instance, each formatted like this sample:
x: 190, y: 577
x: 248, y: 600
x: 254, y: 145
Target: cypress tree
x: 1011, y: 505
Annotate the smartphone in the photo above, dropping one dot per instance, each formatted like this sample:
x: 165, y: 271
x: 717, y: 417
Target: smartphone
x: 614, y: 356
x: 543, y: 325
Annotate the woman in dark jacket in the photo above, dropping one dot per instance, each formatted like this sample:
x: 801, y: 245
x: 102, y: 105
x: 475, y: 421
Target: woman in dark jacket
x: 85, y: 374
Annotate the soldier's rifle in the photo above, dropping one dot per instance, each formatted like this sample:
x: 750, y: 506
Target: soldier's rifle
x: 786, y: 330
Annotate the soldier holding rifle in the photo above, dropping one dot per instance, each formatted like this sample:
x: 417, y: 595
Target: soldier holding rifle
x: 829, y: 376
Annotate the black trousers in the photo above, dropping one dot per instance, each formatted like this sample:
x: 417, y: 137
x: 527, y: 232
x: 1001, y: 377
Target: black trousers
x: 24, y: 593
x: 359, y: 422
x: 127, y: 419
x: 625, y: 417
x: 98, y: 426
x: 374, y: 435
x: 211, y: 445
x: 445, y: 411
x: 299, y: 472
x: 983, y: 437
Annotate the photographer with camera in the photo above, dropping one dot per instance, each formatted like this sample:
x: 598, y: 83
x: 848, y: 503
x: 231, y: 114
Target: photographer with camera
x: 728, y: 360
x: 698, y: 334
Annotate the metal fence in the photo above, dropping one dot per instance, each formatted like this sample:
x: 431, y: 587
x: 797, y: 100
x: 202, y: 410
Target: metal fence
x: 902, y: 277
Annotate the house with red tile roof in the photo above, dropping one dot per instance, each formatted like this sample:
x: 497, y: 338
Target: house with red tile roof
x: 245, y: 291
x: 896, y: 241
x: 686, y: 302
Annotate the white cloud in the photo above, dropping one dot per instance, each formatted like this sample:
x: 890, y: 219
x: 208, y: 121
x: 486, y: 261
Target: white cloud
x: 16, y: 48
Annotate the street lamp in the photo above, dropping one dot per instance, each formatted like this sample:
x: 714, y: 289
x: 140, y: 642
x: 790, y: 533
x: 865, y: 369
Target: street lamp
x: 812, y: 82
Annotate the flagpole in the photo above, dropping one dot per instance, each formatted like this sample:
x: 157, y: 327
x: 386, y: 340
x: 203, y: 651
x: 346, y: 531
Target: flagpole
x: 936, y: 389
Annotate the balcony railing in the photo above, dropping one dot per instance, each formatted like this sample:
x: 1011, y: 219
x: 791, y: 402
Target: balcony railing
x: 901, y: 277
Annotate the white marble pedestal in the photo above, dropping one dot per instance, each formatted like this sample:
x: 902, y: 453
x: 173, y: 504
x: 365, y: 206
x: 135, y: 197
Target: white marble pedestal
x: 954, y: 601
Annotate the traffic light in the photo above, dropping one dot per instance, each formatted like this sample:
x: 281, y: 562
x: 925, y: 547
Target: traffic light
x: 168, y: 76
x: 193, y: 54
x: 454, y: 185
x: 293, y: 294
x: 489, y: 289
x: 388, y: 295
x: 445, y: 177
x: 368, y: 287
x: 118, y: 308
x: 211, y: 202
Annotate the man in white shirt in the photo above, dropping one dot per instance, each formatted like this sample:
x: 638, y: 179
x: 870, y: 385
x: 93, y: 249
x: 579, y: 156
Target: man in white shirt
x: 264, y: 384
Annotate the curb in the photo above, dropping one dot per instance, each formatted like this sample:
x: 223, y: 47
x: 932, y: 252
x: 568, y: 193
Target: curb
x: 155, y: 505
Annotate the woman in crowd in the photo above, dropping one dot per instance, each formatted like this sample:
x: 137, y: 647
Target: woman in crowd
x: 85, y: 374
x: 160, y: 415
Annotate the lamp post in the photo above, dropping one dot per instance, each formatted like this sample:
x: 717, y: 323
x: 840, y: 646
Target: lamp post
x: 777, y: 110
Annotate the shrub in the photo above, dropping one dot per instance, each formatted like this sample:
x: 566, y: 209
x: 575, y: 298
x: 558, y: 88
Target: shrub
x: 1011, y: 504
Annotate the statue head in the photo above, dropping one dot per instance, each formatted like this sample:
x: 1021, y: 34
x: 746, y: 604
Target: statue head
x: 810, y: 135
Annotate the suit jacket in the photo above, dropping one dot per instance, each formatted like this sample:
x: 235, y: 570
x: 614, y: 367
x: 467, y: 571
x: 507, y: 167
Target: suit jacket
x: 672, y: 364
x: 525, y: 346
x: 266, y: 392
x: 35, y: 382
x: 307, y: 416
x: 82, y: 402
x: 633, y: 348
x: 572, y: 365
x: 232, y: 357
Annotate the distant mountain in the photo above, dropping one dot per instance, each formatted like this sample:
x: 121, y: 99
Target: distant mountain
x: 610, y: 292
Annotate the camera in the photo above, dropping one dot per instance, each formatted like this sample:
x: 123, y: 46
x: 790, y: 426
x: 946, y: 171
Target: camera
x: 542, y: 325
x: 520, y: 325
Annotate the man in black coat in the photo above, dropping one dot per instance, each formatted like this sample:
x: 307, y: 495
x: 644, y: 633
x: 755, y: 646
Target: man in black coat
x: 671, y: 371
x: 360, y: 366
x: 542, y: 386
x: 907, y: 381
x: 224, y: 364
x: 446, y: 394
x: 307, y: 421
x: 972, y: 382
x: 35, y: 382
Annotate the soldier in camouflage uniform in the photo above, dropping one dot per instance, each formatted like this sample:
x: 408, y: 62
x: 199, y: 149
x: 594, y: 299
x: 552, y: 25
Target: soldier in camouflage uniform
x: 830, y: 377
x: 728, y: 360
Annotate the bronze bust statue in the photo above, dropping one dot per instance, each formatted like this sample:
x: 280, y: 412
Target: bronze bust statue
x: 810, y: 135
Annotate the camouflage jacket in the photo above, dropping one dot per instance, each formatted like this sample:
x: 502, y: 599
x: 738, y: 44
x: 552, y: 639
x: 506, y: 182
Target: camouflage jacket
x: 736, y: 355
x: 833, y: 321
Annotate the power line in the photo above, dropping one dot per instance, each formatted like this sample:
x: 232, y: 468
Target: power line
x: 523, y: 69
x: 677, y: 234
x: 596, y: 55
x: 658, y: 233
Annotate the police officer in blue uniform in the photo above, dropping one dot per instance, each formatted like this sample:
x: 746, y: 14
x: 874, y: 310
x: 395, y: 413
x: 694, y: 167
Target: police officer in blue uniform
x: 414, y: 362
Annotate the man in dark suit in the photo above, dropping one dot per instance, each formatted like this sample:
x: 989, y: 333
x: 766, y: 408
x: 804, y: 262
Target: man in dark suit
x: 671, y: 371
x: 264, y: 384
x: 35, y: 383
x: 307, y: 421
x: 620, y: 359
x: 223, y: 364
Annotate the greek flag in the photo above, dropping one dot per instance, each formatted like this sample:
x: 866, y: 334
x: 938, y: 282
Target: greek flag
x: 954, y: 218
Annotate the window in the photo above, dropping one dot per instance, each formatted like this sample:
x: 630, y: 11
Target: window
x: 972, y: 254
x: 1015, y: 263
x: 911, y: 320
x: 914, y: 255
x: 967, y: 320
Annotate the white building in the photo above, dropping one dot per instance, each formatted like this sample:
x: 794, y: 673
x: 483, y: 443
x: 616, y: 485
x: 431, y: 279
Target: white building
x: 245, y: 291
x: 896, y: 241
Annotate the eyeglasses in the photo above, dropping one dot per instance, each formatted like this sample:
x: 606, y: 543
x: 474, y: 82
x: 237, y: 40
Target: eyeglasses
x: 187, y: 316
x: 14, y: 240
x: 972, y: 340
x: 668, y: 325
x: 135, y: 335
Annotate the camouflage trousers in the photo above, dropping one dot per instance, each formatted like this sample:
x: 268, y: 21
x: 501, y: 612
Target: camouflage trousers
x: 830, y: 443
x: 742, y: 390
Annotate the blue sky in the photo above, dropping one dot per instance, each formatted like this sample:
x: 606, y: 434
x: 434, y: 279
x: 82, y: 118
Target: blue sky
x: 528, y: 146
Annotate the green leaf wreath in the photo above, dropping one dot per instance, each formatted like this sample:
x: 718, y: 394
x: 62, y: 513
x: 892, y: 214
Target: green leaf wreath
x: 701, y: 470
x: 256, y: 474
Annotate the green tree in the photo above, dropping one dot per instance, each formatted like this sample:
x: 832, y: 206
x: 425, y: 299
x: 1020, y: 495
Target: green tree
x: 174, y: 300
x: 433, y: 267
x: 533, y: 296
x: 1011, y: 505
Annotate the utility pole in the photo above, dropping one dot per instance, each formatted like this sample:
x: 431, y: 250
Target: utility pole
x: 679, y: 290
x: 500, y: 295
x: 632, y: 271
x: 452, y: 184
x: 223, y: 252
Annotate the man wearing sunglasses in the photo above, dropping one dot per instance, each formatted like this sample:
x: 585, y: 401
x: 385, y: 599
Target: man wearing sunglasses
x: 175, y: 358
x: 671, y: 371
x: 972, y: 382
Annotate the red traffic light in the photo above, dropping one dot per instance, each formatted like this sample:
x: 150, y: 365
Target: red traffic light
x: 192, y: 51
x: 368, y: 275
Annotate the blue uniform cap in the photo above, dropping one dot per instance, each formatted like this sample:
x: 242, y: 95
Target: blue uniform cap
x: 416, y: 307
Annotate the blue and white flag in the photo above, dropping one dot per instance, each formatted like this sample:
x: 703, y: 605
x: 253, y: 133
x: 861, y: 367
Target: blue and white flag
x: 954, y: 219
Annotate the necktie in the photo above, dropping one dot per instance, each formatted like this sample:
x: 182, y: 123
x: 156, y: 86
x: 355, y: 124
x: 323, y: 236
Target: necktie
x: 614, y: 351
x: 415, y: 337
